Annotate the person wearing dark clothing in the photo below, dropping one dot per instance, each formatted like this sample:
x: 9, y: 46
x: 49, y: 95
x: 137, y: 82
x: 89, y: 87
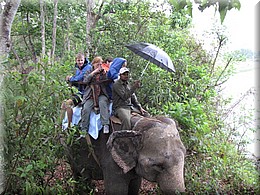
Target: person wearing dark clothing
x: 95, y: 96
x: 125, y: 100
x: 113, y: 73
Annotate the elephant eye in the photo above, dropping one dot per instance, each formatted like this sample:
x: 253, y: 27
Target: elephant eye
x: 158, y: 167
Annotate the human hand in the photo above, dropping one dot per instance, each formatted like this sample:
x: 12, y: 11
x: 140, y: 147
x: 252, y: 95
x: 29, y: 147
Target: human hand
x: 68, y: 78
x: 143, y: 111
x: 137, y: 83
x: 98, y: 70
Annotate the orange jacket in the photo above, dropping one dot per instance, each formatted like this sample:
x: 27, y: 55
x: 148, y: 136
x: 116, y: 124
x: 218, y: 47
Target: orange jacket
x: 105, y: 67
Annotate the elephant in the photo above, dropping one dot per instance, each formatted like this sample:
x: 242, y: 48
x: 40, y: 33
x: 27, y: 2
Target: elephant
x: 152, y: 150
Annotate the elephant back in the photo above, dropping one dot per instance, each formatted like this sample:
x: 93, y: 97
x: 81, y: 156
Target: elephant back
x: 147, y: 123
x: 116, y: 122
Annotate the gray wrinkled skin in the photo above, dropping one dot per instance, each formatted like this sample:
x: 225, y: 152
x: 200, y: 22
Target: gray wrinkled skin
x: 152, y: 150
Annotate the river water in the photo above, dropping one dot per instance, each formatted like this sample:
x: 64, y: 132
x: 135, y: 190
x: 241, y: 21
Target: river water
x: 243, y: 89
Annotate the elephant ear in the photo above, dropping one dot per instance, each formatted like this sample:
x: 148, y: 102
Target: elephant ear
x: 123, y: 146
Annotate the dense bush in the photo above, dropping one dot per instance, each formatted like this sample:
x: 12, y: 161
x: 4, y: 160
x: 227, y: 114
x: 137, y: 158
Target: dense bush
x: 190, y: 96
x: 32, y: 108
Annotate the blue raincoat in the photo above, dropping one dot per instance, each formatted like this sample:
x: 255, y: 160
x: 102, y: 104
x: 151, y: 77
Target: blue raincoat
x: 113, y: 73
x: 79, y: 75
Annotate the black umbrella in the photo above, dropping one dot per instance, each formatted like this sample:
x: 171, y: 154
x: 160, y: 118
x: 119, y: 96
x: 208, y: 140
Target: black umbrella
x: 154, y: 54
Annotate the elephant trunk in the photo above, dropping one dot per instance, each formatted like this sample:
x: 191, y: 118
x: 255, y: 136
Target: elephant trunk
x: 172, y: 181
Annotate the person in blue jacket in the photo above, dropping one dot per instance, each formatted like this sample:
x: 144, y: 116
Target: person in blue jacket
x: 113, y: 73
x: 73, y: 104
x: 83, y: 65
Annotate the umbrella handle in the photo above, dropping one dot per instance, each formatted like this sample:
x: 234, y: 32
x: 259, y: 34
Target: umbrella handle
x: 144, y: 70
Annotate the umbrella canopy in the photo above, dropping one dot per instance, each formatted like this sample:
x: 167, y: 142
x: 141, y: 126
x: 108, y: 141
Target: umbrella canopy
x: 154, y: 54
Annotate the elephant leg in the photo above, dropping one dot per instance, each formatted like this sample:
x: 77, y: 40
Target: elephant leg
x: 84, y: 167
x: 116, y: 186
x: 134, y: 185
x: 116, y: 182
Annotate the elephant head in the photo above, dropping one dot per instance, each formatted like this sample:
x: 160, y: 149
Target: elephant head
x: 154, y: 149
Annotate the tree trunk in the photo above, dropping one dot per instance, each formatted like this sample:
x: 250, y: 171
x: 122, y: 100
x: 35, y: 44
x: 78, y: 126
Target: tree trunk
x: 42, y: 28
x: 89, y: 24
x: 54, y: 28
x: 31, y: 46
x: 6, y: 20
x: 67, y: 42
x: 17, y: 58
x: 91, y: 21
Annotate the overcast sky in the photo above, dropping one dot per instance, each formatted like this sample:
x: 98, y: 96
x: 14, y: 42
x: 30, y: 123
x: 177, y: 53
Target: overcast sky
x: 239, y: 23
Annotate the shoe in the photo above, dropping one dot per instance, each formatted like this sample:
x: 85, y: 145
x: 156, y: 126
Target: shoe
x: 106, y: 129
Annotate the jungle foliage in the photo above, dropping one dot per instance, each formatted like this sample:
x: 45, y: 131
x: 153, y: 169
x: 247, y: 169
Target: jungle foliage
x: 34, y: 89
x: 221, y: 6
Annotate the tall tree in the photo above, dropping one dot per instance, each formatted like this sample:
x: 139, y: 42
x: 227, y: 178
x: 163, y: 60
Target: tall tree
x: 92, y: 19
x: 54, y: 28
x: 67, y: 39
x: 31, y: 45
x: 42, y: 27
x: 6, y: 19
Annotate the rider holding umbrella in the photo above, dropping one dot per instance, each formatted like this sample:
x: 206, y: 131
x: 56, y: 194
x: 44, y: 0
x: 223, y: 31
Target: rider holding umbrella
x: 124, y: 99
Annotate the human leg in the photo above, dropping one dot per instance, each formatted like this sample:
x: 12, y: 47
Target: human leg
x: 135, y: 110
x: 103, y: 106
x: 124, y: 115
x: 85, y: 114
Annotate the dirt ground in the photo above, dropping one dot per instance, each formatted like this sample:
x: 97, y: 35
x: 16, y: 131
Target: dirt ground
x: 146, y: 188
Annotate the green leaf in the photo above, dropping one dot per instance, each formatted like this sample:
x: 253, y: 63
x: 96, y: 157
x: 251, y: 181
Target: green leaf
x: 189, y: 8
x: 235, y: 4
x: 179, y: 4
x: 28, y: 168
x: 223, y: 7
